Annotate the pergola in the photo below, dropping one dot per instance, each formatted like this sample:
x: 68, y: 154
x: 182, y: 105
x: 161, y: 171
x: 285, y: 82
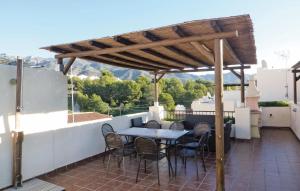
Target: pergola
x: 202, y: 45
x: 296, y: 70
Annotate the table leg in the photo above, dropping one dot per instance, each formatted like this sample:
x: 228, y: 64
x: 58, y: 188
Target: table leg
x: 175, y: 158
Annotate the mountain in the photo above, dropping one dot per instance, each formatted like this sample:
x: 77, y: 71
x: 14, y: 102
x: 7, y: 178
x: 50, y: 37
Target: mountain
x: 89, y: 68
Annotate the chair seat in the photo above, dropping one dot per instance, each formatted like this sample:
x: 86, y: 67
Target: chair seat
x: 127, y: 151
x: 191, y: 145
x: 161, y: 155
x: 187, y: 153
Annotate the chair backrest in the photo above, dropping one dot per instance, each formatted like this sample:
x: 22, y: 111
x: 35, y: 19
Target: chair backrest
x: 114, y: 141
x: 201, y: 128
x: 204, y: 138
x: 177, y: 126
x: 152, y: 124
x: 107, y: 128
x: 137, y: 122
x: 145, y: 146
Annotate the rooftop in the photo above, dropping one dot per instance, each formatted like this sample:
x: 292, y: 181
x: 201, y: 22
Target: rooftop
x: 271, y: 163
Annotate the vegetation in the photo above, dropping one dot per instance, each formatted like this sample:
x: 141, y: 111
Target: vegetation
x: 273, y: 104
x: 110, y: 95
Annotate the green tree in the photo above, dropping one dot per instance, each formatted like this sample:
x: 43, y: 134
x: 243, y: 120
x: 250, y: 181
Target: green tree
x: 167, y: 101
x: 95, y: 103
x: 83, y: 101
x: 147, y: 89
x: 175, y: 88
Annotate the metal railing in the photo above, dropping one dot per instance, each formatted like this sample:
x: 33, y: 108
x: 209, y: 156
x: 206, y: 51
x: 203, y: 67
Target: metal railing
x: 180, y: 115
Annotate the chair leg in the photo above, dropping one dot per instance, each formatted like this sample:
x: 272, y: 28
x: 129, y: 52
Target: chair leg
x: 123, y: 159
x: 107, y: 166
x: 104, y: 154
x: 202, y: 158
x: 138, y: 171
x: 196, y: 162
x: 157, y: 167
x: 145, y: 165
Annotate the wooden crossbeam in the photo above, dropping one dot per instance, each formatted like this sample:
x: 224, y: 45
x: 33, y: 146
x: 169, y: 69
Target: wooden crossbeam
x: 221, y: 35
x: 297, y: 78
x: 235, y: 73
x: 174, y: 49
x: 160, y: 77
x: 167, y: 59
x: 114, y: 58
x: 297, y: 65
x: 200, y: 70
x: 130, y: 55
x: 226, y: 44
x: 68, y: 66
x: 198, y: 46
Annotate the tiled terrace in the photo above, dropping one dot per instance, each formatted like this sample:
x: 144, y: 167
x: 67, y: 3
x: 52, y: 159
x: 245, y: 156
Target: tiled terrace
x: 269, y: 164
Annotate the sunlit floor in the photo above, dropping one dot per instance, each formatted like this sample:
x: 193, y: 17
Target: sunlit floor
x: 271, y: 163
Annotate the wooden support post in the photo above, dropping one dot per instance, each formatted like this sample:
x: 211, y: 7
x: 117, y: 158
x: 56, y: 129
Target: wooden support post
x: 219, y: 123
x: 17, y: 134
x: 242, y: 86
x: 295, y: 88
x: 155, y: 89
x: 61, y: 64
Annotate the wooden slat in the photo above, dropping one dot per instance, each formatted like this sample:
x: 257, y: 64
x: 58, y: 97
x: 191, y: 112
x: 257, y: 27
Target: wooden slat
x: 166, y: 59
x: 131, y: 56
x: 227, y: 46
x: 153, y: 38
x: 117, y: 60
x: 167, y: 42
x: 201, y: 70
x: 198, y: 46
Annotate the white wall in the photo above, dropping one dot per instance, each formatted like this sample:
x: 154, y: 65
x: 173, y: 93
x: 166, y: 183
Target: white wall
x: 49, y: 142
x: 276, y: 116
x: 295, y: 119
x: 44, y: 109
x: 271, y: 83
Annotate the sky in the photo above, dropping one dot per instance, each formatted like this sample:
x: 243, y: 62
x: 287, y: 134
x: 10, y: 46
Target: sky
x: 28, y: 25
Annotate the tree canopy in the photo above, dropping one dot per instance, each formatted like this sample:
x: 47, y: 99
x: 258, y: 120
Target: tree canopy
x: 109, y: 92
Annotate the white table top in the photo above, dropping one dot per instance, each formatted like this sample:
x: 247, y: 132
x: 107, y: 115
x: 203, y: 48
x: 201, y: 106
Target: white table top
x: 153, y: 133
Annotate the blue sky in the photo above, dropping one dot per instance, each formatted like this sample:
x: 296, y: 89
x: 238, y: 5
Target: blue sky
x: 28, y: 25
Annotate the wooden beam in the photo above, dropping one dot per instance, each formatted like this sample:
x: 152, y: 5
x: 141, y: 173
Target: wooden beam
x: 128, y: 55
x: 115, y: 63
x: 167, y: 60
x: 200, y: 70
x: 151, y: 44
x: 235, y: 73
x: 226, y: 85
x: 219, y: 121
x: 155, y: 89
x: 297, y: 65
x: 60, y: 64
x: 295, y: 87
x: 227, y: 46
x: 180, y: 32
x: 69, y: 64
x: 242, y: 86
x: 174, y: 49
x: 199, y: 47
x: 160, y: 77
x: 116, y: 58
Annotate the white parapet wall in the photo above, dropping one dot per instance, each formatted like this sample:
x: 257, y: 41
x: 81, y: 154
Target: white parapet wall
x: 276, y: 116
x: 295, y: 119
x: 49, y: 142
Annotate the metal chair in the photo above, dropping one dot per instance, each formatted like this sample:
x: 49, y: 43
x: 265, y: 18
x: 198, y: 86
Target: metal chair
x: 106, y: 128
x: 193, y: 149
x: 177, y: 126
x: 117, y: 148
x: 152, y: 124
x: 147, y: 149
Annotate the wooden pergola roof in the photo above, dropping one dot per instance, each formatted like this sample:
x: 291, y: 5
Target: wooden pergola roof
x: 180, y: 47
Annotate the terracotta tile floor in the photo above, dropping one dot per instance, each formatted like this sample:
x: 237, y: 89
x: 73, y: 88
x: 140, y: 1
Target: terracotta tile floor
x: 269, y: 164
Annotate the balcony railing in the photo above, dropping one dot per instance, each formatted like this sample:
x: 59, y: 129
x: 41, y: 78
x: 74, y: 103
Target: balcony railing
x: 180, y: 115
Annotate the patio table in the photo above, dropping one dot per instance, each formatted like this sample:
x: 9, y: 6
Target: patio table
x: 157, y: 134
